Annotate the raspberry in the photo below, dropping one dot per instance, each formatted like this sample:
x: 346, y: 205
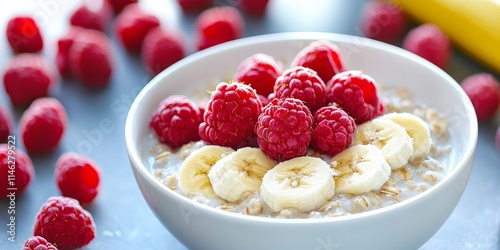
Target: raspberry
x: 303, y: 84
x: 6, y: 123
x: 484, y: 92
x: 42, y: 125
x: 132, y: 26
x: 176, y: 121
x: 37, y: 243
x: 284, y: 129
x: 321, y: 56
x: 119, y: 5
x: 429, y: 42
x: 16, y: 162
x: 333, y: 130
x: 64, y: 223
x: 194, y: 5
x: 90, y: 59
x: 356, y: 93
x: 254, y: 7
x: 218, y: 25
x: 77, y: 177
x: 230, y: 115
x: 95, y: 16
x: 64, y: 44
x: 383, y: 21
x: 160, y: 49
x: 23, y: 35
x: 28, y: 77
x: 260, y: 71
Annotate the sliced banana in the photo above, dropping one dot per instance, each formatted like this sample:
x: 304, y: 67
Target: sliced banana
x: 390, y: 137
x: 193, y: 178
x: 361, y: 169
x: 417, y: 130
x: 303, y: 183
x: 239, y: 173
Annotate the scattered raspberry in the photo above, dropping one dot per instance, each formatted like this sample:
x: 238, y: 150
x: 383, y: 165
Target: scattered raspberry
x: 42, y: 125
x: 429, y: 42
x: 260, y: 71
x: 6, y: 124
x: 383, y: 21
x: 27, y: 77
x: 356, y: 93
x: 284, y: 129
x: 37, y: 243
x: 254, y: 7
x: 194, y: 5
x: 77, y: 177
x: 23, y: 170
x: 64, y: 44
x: 176, y: 121
x: 23, y: 35
x: 64, y: 223
x: 303, y: 84
x: 321, y: 56
x: 484, y: 92
x: 90, y: 59
x: 218, y: 25
x: 119, y: 5
x: 333, y: 130
x: 95, y: 16
x: 230, y: 115
x: 132, y: 26
x: 160, y: 49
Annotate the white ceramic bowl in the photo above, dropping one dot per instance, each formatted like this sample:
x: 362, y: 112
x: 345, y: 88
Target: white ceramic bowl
x: 406, y: 225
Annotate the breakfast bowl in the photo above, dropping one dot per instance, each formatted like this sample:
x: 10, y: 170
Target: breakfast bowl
x: 406, y: 224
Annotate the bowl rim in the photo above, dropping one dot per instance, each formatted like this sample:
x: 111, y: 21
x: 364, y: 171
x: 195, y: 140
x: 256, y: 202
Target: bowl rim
x: 137, y: 164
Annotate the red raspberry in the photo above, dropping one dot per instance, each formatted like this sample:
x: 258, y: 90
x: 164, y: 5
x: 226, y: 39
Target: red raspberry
x: 303, y: 84
x: 284, y: 129
x: 28, y: 77
x: 119, y: 5
x: 160, y: 49
x: 23, y: 35
x: 230, y: 115
x: 64, y: 223
x: 90, y: 59
x: 254, y: 7
x: 333, y: 130
x: 194, y: 5
x: 95, y: 16
x: 132, y: 26
x: 321, y: 56
x: 429, y: 42
x: 42, y: 125
x: 383, y: 21
x: 64, y: 44
x: 37, y: 243
x: 484, y: 92
x: 14, y: 162
x: 260, y: 71
x: 176, y: 121
x: 6, y: 124
x: 218, y: 25
x: 77, y: 177
x: 356, y: 93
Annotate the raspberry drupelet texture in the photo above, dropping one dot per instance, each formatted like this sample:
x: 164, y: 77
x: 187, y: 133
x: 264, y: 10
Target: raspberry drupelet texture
x: 333, y: 130
x: 78, y: 177
x: 231, y: 115
x: 383, y: 21
x: 176, y: 121
x: 303, y: 84
x: 194, y: 5
x: 64, y: 223
x: 284, y: 128
x: 94, y: 17
x: 24, y: 35
x: 483, y: 90
x: 429, y: 42
x: 6, y: 123
x: 260, y: 71
x: 218, y: 25
x: 132, y: 26
x: 37, y: 243
x: 24, y: 170
x: 356, y: 93
x: 321, y: 56
x: 161, y: 48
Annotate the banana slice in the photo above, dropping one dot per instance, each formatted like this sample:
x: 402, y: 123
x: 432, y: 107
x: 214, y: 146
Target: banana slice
x: 390, y: 137
x: 303, y: 183
x: 417, y: 130
x: 239, y: 173
x: 193, y: 171
x: 361, y: 169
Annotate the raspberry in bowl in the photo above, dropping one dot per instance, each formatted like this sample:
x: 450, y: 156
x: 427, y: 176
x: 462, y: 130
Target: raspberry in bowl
x: 269, y: 213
